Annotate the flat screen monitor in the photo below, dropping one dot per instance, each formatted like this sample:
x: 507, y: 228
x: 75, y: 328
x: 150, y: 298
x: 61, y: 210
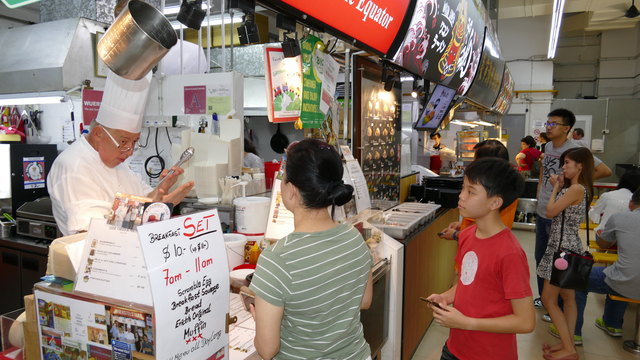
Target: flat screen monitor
x: 436, y: 108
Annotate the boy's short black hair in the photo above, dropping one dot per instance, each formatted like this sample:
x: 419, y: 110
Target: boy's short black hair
x: 435, y: 134
x: 579, y: 131
x: 635, y: 198
x: 491, y: 148
x: 497, y: 177
x: 568, y: 118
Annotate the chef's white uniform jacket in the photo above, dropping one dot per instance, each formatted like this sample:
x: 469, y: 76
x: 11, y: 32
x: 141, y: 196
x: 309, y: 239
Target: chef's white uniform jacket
x: 82, y: 187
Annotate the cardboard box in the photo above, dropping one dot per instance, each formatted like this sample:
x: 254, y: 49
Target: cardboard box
x: 31, y: 341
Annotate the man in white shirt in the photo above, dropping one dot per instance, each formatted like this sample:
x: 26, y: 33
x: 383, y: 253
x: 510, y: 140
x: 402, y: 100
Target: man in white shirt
x: 85, y: 177
x: 612, y: 202
x: 578, y: 138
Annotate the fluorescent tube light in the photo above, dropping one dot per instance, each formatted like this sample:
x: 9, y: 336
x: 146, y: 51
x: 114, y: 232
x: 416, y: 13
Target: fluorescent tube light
x: 214, y: 20
x: 31, y: 98
x: 170, y: 10
x: 556, y: 22
x: 459, y: 122
x: 483, y: 123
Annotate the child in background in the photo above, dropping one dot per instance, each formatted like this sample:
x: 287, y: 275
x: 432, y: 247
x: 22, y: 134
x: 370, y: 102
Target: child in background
x: 492, y: 296
x: 484, y: 149
x: 571, y: 192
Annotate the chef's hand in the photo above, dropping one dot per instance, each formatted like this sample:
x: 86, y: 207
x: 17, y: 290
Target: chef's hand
x: 171, y: 179
x: 176, y: 195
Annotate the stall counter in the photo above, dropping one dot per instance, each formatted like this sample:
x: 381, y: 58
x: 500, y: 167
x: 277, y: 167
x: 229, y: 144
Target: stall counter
x: 428, y: 269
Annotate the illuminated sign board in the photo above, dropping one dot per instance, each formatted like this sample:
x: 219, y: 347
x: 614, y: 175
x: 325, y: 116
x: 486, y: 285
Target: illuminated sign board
x: 374, y: 23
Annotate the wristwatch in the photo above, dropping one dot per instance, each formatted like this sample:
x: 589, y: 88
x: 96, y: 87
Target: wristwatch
x: 455, y: 235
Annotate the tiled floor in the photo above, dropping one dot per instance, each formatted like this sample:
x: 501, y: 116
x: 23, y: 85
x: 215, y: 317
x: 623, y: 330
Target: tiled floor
x: 597, y: 344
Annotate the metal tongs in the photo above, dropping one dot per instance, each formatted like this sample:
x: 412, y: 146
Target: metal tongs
x: 186, y: 155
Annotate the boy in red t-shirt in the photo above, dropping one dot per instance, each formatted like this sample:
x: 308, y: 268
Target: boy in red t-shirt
x: 492, y: 296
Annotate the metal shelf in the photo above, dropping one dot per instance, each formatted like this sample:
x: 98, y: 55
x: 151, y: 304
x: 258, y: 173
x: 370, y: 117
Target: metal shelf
x: 523, y: 226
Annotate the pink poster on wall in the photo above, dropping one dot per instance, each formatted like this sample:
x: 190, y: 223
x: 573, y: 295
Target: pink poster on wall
x: 91, y: 100
x: 195, y: 99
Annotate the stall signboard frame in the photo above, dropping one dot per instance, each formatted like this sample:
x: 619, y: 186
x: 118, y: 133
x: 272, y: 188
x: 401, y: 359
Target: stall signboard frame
x: 376, y: 26
x: 488, y: 80
x: 503, y: 102
x: 444, y: 43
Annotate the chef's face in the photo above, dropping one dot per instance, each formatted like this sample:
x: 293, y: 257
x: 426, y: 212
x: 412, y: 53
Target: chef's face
x: 116, y: 145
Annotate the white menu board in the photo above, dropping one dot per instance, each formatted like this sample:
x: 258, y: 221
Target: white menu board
x: 189, y: 279
x: 361, y: 191
x: 112, y: 265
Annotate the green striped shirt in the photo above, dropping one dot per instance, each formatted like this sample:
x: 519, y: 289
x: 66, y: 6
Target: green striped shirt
x: 319, y: 278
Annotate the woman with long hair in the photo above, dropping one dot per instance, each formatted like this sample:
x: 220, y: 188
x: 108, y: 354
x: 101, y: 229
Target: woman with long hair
x: 572, y: 190
x: 310, y: 285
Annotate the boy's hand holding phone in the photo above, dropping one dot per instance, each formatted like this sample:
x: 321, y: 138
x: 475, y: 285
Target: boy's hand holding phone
x: 445, y: 315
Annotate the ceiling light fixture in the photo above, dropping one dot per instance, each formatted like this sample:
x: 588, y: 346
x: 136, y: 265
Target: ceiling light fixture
x: 191, y: 14
x: 556, y: 21
x: 172, y: 10
x: 213, y: 20
x: 632, y: 11
x: 248, y: 31
x: 462, y: 123
x: 54, y: 97
x: 482, y: 123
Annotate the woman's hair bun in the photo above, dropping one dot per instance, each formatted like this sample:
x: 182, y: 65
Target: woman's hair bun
x: 341, y: 193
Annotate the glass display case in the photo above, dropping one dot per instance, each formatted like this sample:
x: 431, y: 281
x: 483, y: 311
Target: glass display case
x: 465, y: 141
x: 378, y: 134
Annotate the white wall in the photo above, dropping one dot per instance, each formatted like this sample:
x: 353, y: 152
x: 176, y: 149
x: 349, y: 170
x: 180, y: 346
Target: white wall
x: 618, y: 63
x: 524, y: 46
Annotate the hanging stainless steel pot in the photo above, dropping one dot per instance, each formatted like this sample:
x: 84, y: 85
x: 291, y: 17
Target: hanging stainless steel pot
x: 138, y: 39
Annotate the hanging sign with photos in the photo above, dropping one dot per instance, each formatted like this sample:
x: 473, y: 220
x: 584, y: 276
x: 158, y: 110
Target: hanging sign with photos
x: 284, y: 85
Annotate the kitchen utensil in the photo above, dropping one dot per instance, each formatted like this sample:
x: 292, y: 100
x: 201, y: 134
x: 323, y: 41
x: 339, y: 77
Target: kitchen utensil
x: 279, y: 141
x: 9, y: 217
x: 186, y: 155
x: 138, y: 39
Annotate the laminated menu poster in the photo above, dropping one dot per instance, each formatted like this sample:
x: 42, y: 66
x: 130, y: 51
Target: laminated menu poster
x: 71, y: 328
x: 112, y: 265
x: 284, y: 85
x: 189, y: 278
x: 356, y: 178
x: 280, y: 221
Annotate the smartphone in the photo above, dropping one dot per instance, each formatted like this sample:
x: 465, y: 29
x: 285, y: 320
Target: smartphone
x: 247, y: 299
x: 432, y: 303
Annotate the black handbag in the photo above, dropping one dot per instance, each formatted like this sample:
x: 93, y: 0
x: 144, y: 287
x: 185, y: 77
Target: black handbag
x: 576, y: 275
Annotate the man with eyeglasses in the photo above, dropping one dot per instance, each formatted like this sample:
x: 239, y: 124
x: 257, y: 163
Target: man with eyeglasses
x: 85, y: 177
x: 558, y: 125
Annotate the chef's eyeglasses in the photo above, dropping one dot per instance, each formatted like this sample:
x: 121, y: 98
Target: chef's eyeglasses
x: 553, y: 124
x: 124, y: 146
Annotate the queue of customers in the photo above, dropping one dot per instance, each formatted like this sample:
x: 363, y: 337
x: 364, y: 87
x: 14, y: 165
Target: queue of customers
x: 307, y: 307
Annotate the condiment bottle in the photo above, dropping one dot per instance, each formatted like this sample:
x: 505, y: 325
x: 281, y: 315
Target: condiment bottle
x: 254, y: 253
